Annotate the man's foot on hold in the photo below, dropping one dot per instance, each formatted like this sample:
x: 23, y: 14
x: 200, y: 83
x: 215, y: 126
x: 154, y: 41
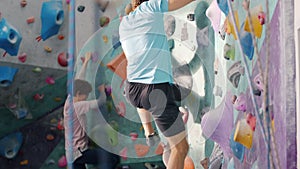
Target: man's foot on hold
x: 153, y: 139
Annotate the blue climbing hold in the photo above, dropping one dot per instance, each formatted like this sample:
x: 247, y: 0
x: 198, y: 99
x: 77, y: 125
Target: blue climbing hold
x: 246, y: 42
x: 11, y: 144
x: 10, y: 38
x: 7, y: 75
x: 52, y: 16
x: 237, y: 148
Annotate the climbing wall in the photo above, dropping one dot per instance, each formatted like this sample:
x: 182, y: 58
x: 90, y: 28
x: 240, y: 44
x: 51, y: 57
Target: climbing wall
x: 33, y: 45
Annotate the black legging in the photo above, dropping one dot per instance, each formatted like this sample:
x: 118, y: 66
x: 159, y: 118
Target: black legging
x: 99, y: 157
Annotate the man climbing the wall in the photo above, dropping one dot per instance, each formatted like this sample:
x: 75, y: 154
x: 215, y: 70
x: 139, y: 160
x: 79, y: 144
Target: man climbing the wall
x: 81, y: 153
x: 149, y: 74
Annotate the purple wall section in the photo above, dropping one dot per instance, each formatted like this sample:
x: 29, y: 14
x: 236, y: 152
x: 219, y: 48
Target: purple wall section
x: 285, y: 128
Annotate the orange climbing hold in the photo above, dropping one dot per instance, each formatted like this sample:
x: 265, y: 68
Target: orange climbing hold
x: 159, y: 149
x: 188, y: 163
x: 24, y: 162
x: 141, y: 150
x: 60, y: 37
x: 118, y: 65
x: 30, y: 20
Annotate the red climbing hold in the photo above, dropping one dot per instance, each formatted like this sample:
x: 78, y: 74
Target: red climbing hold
x: 22, y: 58
x: 62, y: 59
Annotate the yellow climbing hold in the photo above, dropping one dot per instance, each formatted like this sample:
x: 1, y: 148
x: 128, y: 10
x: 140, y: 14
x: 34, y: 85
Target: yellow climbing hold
x: 243, y: 134
x: 255, y: 21
x: 229, y: 24
x: 48, y: 49
x: 105, y: 38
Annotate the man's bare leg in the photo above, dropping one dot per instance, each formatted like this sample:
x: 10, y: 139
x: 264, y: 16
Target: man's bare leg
x: 145, y: 117
x: 179, y: 149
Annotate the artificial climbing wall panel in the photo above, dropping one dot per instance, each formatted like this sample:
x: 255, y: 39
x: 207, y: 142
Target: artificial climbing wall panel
x: 43, y: 33
x: 226, y: 126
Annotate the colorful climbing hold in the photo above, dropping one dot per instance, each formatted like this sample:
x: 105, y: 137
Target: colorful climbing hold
x: 257, y: 18
x: 57, y: 99
x: 243, y: 133
x: 50, y: 137
x: 47, y: 49
x: 62, y: 59
x: 240, y: 103
x: 52, y: 16
x: 133, y: 136
x: 104, y: 21
x: 23, y: 3
x: 38, y: 97
x: 22, y: 58
x: 60, y: 37
x: 159, y: 149
x: 229, y: 52
x: 105, y: 38
x: 246, y: 42
x: 50, y: 80
x: 37, y: 70
x: 30, y: 20
x: 123, y: 153
x: 234, y: 73
x: 251, y: 121
x: 229, y: 24
x: 10, y: 38
x: 261, y: 16
x: 80, y: 8
x: 237, y: 149
x: 141, y: 150
x: 62, y: 162
x: 24, y: 162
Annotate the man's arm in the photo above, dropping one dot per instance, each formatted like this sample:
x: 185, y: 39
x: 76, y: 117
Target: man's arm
x: 176, y: 4
x: 81, y: 74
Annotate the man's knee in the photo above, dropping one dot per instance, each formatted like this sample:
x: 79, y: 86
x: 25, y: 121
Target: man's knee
x: 182, y: 147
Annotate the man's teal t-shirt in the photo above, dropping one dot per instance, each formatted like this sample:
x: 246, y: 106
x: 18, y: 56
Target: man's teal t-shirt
x: 145, y: 44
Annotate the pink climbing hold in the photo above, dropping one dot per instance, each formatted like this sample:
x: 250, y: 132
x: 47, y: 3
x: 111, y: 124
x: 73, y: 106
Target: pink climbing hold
x: 50, y: 80
x: 133, y: 136
x: 251, y: 121
x: 123, y: 153
x: 68, y: 1
x: 121, y: 109
x: 22, y: 58
x: 30, y: 20
x: 240, y: 103
x: 261, y: 16
x: 62, y: 162
x: 38, y: 97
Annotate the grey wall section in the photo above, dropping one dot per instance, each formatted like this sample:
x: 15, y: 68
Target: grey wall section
x: 16, y: 16
x: 288, y: 74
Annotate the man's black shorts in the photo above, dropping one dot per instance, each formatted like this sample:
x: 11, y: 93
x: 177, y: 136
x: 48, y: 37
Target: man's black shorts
x: 158, y: 99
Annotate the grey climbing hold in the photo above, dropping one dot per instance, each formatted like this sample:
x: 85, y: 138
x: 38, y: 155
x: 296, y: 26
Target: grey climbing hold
x: 234, y: 73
